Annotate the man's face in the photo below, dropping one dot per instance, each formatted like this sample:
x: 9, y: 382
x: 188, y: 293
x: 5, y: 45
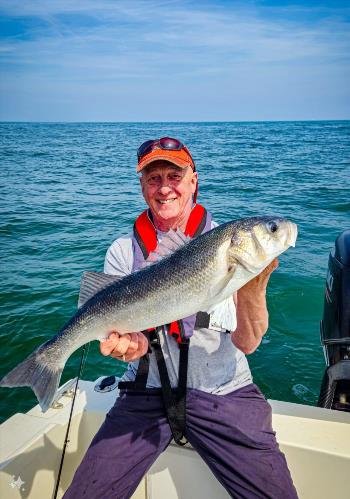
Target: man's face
x: 168, y: 190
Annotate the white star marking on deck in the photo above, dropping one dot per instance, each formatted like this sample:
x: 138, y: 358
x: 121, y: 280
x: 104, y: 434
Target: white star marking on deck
x: 17, y: 483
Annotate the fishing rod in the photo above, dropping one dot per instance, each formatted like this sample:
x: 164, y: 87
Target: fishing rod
x: 66, y: 440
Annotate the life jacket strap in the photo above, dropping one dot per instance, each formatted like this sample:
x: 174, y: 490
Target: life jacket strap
x: 197, y: 221
x: 145, y: 233
x: 176, y: 330
x: 174, y: 400
x: 140, y: 381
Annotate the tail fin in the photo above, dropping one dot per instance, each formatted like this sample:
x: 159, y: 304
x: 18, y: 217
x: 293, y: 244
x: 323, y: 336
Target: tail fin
x: 40, y: 376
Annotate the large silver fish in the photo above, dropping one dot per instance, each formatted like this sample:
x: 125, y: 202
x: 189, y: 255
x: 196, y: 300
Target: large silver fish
x: 190, y: 276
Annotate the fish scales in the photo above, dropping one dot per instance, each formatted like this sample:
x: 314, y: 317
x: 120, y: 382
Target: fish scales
x: 194, y: 278
x: 189, y: 270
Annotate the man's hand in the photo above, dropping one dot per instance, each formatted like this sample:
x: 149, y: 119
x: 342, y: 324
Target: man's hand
x: 252, y: 314
x: 259, y: 282
x: 126, y: 347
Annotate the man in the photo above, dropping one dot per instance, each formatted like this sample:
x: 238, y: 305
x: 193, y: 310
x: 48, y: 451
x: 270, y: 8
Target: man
x: 222, y: 413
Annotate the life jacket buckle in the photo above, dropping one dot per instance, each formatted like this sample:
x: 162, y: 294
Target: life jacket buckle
x: 153, y: 337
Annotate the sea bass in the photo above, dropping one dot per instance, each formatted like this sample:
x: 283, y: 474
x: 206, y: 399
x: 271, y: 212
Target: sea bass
x: 184, y: 277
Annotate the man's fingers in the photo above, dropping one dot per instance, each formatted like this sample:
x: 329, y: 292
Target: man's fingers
x: 122, y: 346
x: 107, y: 346
x: 259, y: 282
x: 273, y: 265
x: 141, y: 342
x: 142, y: 345
x: 269, y: 269
x: 264, y: 276
x: 127, y: 347
x: 134, y: 343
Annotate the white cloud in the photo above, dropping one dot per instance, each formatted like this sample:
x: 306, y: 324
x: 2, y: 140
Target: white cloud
x: 180, y: 44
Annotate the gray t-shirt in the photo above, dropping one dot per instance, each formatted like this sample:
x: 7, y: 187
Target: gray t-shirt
x: 215, y: 365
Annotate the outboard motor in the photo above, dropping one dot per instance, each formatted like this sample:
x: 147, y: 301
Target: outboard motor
x: 335, y: 328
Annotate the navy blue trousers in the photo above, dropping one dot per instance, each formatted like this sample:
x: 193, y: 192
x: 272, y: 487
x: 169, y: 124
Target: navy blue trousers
x: 232, y: 433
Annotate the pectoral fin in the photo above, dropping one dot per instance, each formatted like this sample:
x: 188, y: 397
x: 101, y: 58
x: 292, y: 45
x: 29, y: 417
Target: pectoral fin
x: 171, y: 242
x: 223, y: 316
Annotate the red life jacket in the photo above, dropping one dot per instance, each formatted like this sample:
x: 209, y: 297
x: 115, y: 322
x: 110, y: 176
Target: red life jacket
x: 145, y: 235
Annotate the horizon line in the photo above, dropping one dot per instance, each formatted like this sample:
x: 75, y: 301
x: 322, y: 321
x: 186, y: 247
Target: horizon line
x: 177, y: 121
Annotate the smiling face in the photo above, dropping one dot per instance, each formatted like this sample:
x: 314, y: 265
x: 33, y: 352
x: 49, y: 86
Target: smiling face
x: 168, y: 191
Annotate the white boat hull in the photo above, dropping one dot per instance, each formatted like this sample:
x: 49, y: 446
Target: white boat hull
x: 316, y: 443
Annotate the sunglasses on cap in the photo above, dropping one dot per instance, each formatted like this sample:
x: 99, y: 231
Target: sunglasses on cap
x: 165, y: 143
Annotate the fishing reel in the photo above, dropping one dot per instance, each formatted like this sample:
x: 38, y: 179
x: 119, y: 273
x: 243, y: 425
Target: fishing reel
x: 335, y: 328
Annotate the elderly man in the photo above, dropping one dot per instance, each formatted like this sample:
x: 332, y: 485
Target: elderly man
x: 189, y: 380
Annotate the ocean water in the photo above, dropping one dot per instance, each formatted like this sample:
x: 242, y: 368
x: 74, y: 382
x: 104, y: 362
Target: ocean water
x: 68, y: 190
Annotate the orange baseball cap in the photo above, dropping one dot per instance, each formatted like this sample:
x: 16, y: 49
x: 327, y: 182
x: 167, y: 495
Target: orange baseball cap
x: 180, y: 156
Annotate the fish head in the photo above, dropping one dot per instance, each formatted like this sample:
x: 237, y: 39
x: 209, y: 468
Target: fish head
x: 256, y: 241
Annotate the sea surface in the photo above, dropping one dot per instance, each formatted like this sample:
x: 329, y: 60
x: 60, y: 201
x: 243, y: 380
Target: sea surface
x: 69, y: 189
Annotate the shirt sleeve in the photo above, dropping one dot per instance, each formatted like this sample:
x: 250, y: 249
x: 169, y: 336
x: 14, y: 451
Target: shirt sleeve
x: 119, y: 257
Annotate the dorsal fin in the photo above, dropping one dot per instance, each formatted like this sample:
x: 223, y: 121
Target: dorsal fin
x: 92, y: 283
x: 171, y: 242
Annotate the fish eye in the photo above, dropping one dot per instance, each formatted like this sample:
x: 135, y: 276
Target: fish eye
x: 272, y: 226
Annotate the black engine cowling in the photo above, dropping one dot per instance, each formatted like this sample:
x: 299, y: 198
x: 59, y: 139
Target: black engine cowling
x: 335, y: 328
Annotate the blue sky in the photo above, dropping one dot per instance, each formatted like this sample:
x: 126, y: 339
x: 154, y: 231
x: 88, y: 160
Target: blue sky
x: 181, y: 60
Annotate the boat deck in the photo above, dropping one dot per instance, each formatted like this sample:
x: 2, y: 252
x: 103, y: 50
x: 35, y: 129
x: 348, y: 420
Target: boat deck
x: 316, y: 443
